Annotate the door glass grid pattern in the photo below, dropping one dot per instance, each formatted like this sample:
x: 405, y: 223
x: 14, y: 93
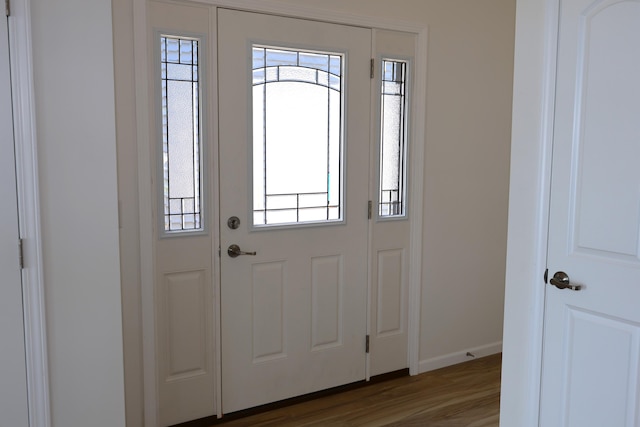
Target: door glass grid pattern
x: 393, y: 136
x: 297, y: 136
x: 181, y: 160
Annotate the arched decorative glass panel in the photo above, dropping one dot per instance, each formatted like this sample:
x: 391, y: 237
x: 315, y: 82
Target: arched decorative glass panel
x: 181, y: 145
x: 393, y: 139
x: 297, y: 136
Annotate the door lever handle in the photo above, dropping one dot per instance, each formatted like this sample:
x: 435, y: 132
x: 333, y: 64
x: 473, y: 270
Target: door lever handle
x: 561, y: 281
x: 234, y: 251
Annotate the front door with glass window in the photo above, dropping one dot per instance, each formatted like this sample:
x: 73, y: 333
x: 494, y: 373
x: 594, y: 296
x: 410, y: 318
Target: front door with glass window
x: 261, y: 130
x: 294, y: 167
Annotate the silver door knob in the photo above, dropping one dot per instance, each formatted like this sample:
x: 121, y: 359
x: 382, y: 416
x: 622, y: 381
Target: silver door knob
x: 561, y: 281
x: 234, y: 251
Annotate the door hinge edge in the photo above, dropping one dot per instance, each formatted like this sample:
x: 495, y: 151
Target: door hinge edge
x: 371, y: 67
x: 369, y: 209
x: 367, y: 344
x: 546, y: 276
x: 21, y: 254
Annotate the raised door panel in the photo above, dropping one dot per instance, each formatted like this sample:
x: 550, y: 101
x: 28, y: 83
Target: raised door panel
x: 390, y: 292
x: 608, y: 342
x: 606, y: 201
x: 268, y: 311
x: 327, y: 287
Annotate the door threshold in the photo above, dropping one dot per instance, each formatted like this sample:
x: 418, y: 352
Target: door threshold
x: 213, y: 420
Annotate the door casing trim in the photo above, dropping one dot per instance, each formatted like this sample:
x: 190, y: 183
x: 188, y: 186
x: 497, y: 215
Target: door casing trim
x: 21, y: 59
x: 529, y: 197
x: 146, y: 207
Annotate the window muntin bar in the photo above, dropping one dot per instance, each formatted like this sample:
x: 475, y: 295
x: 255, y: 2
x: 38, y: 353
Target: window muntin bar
x: 393, y: 139
x: 297, y: 136
x: 181, y: 134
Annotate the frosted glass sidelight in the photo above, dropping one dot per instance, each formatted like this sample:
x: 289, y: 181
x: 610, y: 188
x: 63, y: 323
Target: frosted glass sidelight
x: 393, y: 139
x: 297, y: 136
x: 181, y: 162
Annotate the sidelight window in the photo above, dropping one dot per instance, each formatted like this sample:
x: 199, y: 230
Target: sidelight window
x: 393, y: 139
x: 181, y: 134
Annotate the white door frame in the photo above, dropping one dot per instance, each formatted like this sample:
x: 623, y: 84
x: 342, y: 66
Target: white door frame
x: 29, y: 212
x: 529, y: 195
x: 145, y: 190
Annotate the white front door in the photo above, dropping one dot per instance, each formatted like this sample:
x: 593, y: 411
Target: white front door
x: 13, y: 385
x: 294, y: 165
x: 591, y: 353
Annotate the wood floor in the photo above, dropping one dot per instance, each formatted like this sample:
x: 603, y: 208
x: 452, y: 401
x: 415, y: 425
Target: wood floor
x: 465, y: 395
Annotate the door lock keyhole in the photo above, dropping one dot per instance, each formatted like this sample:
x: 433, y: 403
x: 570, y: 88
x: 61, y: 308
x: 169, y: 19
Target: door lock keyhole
x: 233, y: 222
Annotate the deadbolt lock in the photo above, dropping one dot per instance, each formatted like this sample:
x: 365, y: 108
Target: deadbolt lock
x: 233, y: 222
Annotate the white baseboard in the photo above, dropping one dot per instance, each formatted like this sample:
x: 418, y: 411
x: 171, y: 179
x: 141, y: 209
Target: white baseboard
x: 459, y: 357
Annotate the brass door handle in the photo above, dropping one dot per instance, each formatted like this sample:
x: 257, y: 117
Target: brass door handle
x: 561, y: 281
x: 234, y: 251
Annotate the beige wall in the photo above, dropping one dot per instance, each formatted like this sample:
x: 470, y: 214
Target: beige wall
x: 466, y: 175
x: 73, y: 79
x: 468, y: 119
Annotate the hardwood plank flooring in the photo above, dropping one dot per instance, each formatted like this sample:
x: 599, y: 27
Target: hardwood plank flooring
x: 464, y: 395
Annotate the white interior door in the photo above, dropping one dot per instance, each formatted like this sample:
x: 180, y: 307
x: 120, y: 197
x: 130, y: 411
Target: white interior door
x: 592, y: 333
x: 294, y: 136
x: 13, y: 385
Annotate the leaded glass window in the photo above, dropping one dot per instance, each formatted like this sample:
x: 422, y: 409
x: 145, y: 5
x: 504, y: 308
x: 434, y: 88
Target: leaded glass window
x: 297, y: 136
x: 393, y: 139
x: 181, y: 146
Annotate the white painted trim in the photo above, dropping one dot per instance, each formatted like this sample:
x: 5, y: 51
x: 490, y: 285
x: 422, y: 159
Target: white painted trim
x: 418, y: 137
x: 532, y: 140
x: 544, y: 199
x: 316, y: 14
x: 29, y: 213
x: 145, y: 185
x: 215, y: 214
x: 146, y: 211
x: 459, y: 357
